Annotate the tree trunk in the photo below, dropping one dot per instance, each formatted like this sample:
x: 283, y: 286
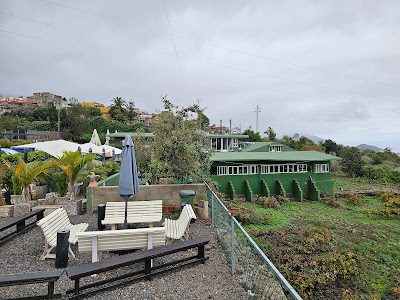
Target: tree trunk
x: 25, y: 194
x: 71, y: 190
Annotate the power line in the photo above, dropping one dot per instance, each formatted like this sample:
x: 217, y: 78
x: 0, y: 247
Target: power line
x: 281, y: 61
x: 172, y: 35
x: 26, y: 19
x: 19, y: 34
x: 72, y: 8
x: 300, y: 82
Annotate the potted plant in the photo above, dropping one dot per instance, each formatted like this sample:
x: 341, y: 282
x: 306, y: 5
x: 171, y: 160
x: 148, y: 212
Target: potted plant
x: 202, y: 208
x: 5, y: 210
x: 72, y: 164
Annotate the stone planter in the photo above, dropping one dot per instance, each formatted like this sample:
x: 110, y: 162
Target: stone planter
x: 21, y: 209
x: 73, y: 208
x: 50, y: 198
x: 16, y: 199
x: 62, y: 200
x: 39, y: 191
x: 7, y: 211
x: 202, y: 210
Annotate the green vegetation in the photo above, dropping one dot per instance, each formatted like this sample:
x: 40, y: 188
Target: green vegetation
x: 343, y: 248
x: 76, y: 122
x: 179, y: 149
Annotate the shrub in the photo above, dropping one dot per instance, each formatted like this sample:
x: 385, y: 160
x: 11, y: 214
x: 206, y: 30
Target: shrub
x: 356, y: 199
x: 269, y: 202
x: 374, y: 172
x: 334, y: 203
x: 247, y: 216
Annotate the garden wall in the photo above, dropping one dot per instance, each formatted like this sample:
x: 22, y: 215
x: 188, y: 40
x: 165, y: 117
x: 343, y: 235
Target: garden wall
x: 169, y: 193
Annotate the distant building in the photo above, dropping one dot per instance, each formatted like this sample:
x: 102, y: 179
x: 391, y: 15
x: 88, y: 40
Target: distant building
x: 8, y: 104
x: 105, y: 111
x: 45, y: 98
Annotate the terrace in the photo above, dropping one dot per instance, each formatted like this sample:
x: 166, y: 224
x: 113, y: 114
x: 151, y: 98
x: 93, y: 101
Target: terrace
x: 230, y: 251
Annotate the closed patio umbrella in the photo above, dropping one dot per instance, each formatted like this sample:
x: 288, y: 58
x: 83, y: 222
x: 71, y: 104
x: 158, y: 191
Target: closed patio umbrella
x: 128, y: 177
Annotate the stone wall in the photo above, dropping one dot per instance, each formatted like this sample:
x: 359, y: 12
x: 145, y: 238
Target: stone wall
x: 169, y: 193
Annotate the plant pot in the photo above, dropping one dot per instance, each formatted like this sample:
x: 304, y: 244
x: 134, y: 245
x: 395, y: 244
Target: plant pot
x: 168, y: 208
x: 6, y: 211
x: 17, y: 199
x: 202, y: 210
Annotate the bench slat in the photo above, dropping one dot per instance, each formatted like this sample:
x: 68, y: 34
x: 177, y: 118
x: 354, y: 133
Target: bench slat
x: 128, y: 259
x: 32, y: 277
x: 14, y: 221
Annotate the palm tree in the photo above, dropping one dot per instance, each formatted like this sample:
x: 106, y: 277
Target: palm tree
x: 25, y: 173
x: 72, y: 164
x: 118, y: 102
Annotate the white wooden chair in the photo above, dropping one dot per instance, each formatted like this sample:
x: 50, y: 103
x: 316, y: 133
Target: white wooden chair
x: 179, y: 229
x: 125, y: 239
x: 138, y: 212
x: 58, y: 220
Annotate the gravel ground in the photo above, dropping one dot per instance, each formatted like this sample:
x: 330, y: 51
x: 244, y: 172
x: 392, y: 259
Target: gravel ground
x: 209, y: 281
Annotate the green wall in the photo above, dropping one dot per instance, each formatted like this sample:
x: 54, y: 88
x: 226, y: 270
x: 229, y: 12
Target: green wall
x: 323, y: 182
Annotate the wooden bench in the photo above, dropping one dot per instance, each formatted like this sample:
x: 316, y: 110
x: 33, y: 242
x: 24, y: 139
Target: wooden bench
x: 20, y: 223
x: 138, y: 212
x: 32, y: 278
x: 179, y: 229
x: 113, y: 240
x: 54, y: 222
x: 146, y: 256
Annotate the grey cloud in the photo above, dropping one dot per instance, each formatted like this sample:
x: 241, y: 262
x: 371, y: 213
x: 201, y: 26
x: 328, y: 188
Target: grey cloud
x: 327, y: 68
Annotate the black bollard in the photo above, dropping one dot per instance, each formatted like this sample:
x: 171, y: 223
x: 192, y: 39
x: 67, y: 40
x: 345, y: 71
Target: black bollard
x: 62, y: 248
x: 101, y: 213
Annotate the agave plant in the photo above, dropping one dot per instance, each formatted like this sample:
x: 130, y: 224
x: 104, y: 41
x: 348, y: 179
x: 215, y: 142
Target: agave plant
x: 25, y: 173
x: 72, y: 164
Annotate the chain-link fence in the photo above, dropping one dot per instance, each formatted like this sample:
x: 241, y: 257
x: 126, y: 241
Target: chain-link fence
x: 247, y: 261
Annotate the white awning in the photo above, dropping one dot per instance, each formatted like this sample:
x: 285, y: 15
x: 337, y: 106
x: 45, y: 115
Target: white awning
x: 54, y: 148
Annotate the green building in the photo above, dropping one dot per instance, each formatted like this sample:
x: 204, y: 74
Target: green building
x: 271, y: 168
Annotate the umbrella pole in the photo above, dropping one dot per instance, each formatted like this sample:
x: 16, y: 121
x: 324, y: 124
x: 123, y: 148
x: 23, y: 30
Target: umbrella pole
x: 126, y: 213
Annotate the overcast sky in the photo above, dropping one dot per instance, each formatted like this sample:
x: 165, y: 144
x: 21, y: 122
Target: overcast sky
x: 327, y: 68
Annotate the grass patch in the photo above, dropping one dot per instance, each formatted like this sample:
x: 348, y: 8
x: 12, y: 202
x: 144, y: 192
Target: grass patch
x: 373, y: 239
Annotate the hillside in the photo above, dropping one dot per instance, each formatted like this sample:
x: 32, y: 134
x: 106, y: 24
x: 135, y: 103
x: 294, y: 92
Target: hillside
x: 364, y: 147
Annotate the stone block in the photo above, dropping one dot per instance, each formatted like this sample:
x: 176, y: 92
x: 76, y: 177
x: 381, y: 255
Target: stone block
x: 16, y: 199
x: 21, y: 209
x: 41, y: 201
x: 33, y: 203
x: 73, y: 208
x: 39, y: 191
x: 62, y: 200
x: 7, y: 211
x: 51, y: 198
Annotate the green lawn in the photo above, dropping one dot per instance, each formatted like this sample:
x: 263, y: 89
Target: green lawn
x: 374, y: 239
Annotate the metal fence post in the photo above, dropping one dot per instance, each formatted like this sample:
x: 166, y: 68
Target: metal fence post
x: 212, y: 211
x: 232, y: 245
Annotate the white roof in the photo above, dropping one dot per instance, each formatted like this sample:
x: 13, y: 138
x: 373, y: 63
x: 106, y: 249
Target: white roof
x: 95, y: 149
x: 54, y: 148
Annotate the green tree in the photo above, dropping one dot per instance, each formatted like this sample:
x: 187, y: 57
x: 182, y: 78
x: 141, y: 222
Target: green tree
x: 351, y: 161
x: 24, y: 174
x: 118, y: 109
x: 330, y: 146
x: 180, y: 148
x: 253, y: 136
x: 72, y: 164
x: 271, y: 134
x: 131, y: 112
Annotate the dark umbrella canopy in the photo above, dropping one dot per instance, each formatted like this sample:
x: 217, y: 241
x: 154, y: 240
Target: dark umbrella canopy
x: 128, y: 177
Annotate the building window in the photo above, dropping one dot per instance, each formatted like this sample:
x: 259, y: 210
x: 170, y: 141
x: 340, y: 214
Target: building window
x: 321, y: 168
x: 235, y: 143
x: 253, y: 169
x: 275, y: 148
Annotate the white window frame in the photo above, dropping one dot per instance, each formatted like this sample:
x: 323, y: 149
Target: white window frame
x: 275, y: 148
x: 321, y: 168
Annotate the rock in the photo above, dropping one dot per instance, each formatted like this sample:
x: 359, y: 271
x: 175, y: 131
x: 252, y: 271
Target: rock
x: 41, y: 201
x: 16, y: 199
x: 21, y: 209
x: 6, y: 211
x: 51, y: 198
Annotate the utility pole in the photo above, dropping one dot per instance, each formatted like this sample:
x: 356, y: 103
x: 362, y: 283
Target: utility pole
x: 230, y: 126
x: 258, y: 110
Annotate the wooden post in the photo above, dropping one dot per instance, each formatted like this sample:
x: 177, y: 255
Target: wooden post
x: 147, y: 269
x: 21, y: 226
x: 200, y: 253
x: 101, y: 213
x: 62, y: 249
